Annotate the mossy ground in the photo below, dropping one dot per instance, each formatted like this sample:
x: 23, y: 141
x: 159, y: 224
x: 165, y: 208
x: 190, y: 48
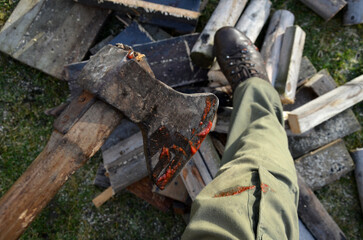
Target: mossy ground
x: 24, y: 129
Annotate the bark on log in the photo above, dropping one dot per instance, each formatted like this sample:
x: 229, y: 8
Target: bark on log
x: 289, y: 63
x: 325, y: 8
x: 61, y: 157
x: 271, y: 47
x: 322, y: 108
x: 315, y: 217
x: 354, y: 12
x: 226, y: 14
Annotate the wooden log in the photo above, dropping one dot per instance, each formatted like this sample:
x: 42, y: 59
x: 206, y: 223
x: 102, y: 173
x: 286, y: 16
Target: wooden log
x: 358, y: 160
x: 210, y: 156
x: 101, y: 180
x: 324, y: 107
x: 307, y: 70
x: 313, y: 214
x: 254, y: 18
x: 100, y: 45
x: 250, y: 23
x: 202, y: 168
x: 325, y: 165
x: 56, y: 111
x: 192, y: 179
x: 50, y: 34
x: 289, y: 63
x: 103, y: 197
x: 143, y: 190
x: 325, y: 8
x: 61, y: 157
x: 354, y: 12
x: 304, y: 233
x: 337, y: 127
x: 181, y: 16
x: 226, y: 13
x: 271, y: 47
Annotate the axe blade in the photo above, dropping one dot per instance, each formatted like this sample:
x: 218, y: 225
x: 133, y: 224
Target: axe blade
x: 173, y: 124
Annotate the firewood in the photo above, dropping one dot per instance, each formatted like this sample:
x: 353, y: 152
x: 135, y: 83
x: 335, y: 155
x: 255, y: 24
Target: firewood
x: 307, y: 70
x: 326, y: 106
x: 325, y: 8
x: 177, y: 15
x: 313, y: 214
x: 289, y: 63
x: 175, y: 190
x: 304, y: 233
x: 321, y: 83
x: 358, y: 160
x: 354, y: 12
x: 325, y: 165
x: 192, y: 179
x: 271, y: 47
x: 226, y: 14
x: 50, y: 34
x: 56, y: 111
x: 101, y: 180
x: 250, y: 23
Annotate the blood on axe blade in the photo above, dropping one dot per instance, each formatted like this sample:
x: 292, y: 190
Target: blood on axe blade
x: 173, y: 124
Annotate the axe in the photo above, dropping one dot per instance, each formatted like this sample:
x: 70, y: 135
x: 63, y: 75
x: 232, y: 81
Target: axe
x: 117, y: 83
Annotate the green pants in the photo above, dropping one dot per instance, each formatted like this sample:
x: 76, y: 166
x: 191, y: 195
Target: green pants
x: 255, y: 193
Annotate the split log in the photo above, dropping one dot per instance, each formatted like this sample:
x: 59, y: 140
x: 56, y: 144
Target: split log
x: 250, y: 23
x: 354, y: 12
x: 192, y: 179
x: 325, y: 8
x: 358, y: 160
x: 101, y: 180
x: 271, y: 47
x: 289, y: 63
x: 254, y: 18
x: 325, y: 165
x: 313, y: 214
x: 56, y: 111
x: 226, y: 14
x: 182, y: 16
x: 337, y: 127
x: 210, y: 156
x: 50, y: 34
x: 324, y: 107
x: 307, y: 70
x: 62, y: 156
x: 175, y: 190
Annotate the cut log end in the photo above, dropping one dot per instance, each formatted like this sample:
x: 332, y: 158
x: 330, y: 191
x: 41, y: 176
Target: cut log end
x: 294, y: 123
x: 103, y: 197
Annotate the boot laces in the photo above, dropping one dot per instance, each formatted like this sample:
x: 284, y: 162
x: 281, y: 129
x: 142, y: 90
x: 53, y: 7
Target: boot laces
x: 240, y: 64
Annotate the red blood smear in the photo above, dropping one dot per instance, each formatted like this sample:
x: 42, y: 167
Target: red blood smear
x: 238, y: 190
x: 264, y: 187
x: 130, y: 55
x: 205, y: 131
x: 165, y: 178
x: 206, y: 109
x: 164, y: 152
x: 177, y: 148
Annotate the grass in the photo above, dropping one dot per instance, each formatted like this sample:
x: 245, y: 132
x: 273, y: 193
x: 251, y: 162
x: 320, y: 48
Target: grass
x: 24, y: 129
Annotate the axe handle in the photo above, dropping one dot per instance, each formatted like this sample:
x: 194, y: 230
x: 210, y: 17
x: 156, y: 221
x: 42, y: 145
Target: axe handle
x: 62, y: 156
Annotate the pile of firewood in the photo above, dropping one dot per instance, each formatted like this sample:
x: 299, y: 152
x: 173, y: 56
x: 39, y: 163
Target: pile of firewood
x: 317, y: 110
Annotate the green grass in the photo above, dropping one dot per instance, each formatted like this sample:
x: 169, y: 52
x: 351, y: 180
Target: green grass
x: 24, y: 129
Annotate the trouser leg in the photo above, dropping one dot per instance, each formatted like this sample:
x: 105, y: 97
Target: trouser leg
x: 255, y: 193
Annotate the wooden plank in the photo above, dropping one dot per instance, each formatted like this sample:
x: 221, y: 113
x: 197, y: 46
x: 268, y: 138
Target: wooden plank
x: 226, y: 13
x: 143, y: 190
x: 313, y: 214
x: 73, y: 112
x: 103, y: 197
x: 289, y: 63
x: 210, y: 156
x: 50, y: 34
x: 307, y: 70
x: 354, y: 12
x: 325, y: 8
x: 62, y: 156
x: 271, y: 47
x: 324, y: 107
x: 250, y: 23
x: 181, y: 16
x: 169, y: 60
x: 202, y: 168
x: 357, y: 155
x: 324, y: 165
x: 192, y: 179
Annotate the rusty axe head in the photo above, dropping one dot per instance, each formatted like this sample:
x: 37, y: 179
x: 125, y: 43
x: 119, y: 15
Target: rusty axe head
x: 173, y: 124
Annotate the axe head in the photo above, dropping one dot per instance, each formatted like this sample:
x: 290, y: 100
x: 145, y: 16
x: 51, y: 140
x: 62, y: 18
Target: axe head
x: 173, y: 124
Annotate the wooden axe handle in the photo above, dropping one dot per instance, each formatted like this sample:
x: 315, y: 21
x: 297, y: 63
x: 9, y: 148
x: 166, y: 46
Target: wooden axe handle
x: 62, y: 156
